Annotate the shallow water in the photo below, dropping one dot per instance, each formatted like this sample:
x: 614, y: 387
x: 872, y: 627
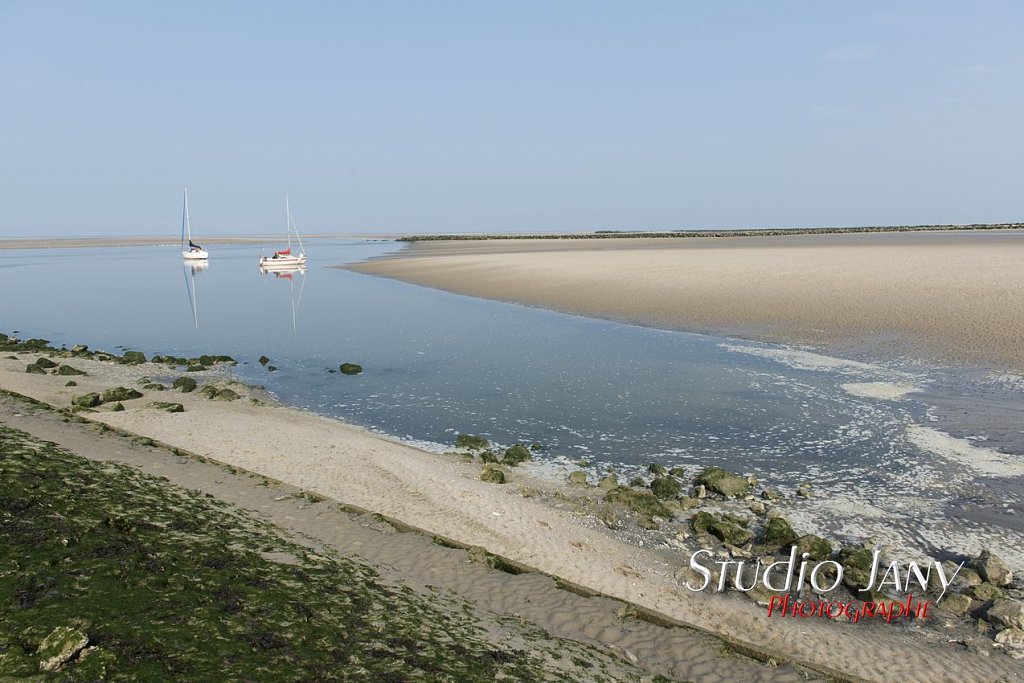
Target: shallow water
x: 437, y: 363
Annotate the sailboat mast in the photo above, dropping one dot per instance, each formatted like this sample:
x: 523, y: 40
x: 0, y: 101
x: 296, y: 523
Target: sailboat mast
x: 184, y: 218
x: 288, y: 221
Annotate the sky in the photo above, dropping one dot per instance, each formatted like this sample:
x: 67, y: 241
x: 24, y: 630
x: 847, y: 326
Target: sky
x: 480, y: 115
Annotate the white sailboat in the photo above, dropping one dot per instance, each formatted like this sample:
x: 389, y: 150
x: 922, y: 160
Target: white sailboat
x: 189, y: 250
x: 285, y: 259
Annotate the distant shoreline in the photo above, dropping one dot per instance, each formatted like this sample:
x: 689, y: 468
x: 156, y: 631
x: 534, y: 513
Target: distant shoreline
x: 742, y: 232
x: 154, y: 241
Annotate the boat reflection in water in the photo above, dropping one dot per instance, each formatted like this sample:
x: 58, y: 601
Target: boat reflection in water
x: 288, y: 273
x: 189, y: 269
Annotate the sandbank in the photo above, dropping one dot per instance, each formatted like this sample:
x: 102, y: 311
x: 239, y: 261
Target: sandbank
x: 952, y: 297
x: 444, y: 496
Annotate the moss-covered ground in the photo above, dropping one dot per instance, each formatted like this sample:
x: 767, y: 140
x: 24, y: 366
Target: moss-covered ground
x: 168, y: 584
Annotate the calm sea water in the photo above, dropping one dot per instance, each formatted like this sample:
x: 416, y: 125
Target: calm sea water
x: 437, y: 363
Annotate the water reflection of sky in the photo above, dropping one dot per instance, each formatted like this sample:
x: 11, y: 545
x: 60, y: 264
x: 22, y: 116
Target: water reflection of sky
x: 435, y: 363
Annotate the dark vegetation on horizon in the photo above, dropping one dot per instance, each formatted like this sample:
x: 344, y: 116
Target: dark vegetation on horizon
x: 751, y: 232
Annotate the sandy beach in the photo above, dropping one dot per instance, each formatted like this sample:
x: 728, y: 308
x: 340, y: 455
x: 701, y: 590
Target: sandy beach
x: 951, y: 297
x: 443, y: 495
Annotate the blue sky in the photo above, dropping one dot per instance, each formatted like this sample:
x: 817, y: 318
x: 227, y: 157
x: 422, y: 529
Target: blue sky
x: 484, y: 115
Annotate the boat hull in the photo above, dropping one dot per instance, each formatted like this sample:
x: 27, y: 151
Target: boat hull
x: 270, y: 263
x: 201, y: 255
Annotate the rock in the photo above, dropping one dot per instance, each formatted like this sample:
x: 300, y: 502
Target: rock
x: 185, y: 384
x: 34, y: 369
x: 169, y: 407
x: 955, y: 605
x: 63, y: 643
x: 677, y: 472
x: 71, y: 383
x: 78, y: 349
x: 725, y: 530
x: 119, y: 394
x: 492, y: 475
x: 200, y: 368
x: 579, y: 478
x: 133, y: 358
x: 1011, y: 637
x: 757, y: 507
x: 117, y: 408
x: 771, y: 494
x: 778, y: 534
x: 68, y: 370
x: 609, y: 518
x: 226, y: 395
x: 986, y: 592
x: 993, y: 569
x: 515, y: 455
x: 473, y: 443
x: 648, y: 523
x: 856, y: 566
x: 700, y: 491
x: 655, y: 468
x: 536, y: 447
x: 816, y: 547
x: 44, y: 363
x: 688, y: 503
x: 665, y: 487
x: 805, y: 490
x: 489, y: 456
x: 90, y: 400
x: 638, y: 482
x: 608, y: 482
x: 1007, y: 614
x: 264, y: 360
x: 640, y: 501
x: 723, y: 482
x: 350, y: 368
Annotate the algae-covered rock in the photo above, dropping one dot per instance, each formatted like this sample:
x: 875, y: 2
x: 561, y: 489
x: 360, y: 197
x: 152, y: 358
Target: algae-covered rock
x: 816, y: 547
x: 264, y: 360
x: 492, y: 475
x: 350, y: 368
x: 655, y: 468
x: 117, y: 408
x: 677, y: 472
x: 120, y: 394
x: 992, y: 569
x: 71, y: 383
x: 185, y: 384
x: 195, y: 368
x: 724, y: 482
x: 68, y: 370
x: 79, y: 349
x: 986, y: 592
x: 63, y: 643
x: 133, y: 358
x: 90, y: 400
x: 638, y: 482
x: 608, y: 482
x: 34, y: 369
x: 169, y: 407
x: 955, y: 605
x: 578, y: 478
x: 723, y: 529
x: 44, y: 363
x: 472, y: 442
x: 642, y: 502
x: 666, y: 487
x: 779, y: 534
x: 856, y: 566
x: 516, y: 454
x: 226, y: 395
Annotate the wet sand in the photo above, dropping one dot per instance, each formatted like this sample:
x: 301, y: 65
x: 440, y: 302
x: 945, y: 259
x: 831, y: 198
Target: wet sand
x: 948, y: 297
x: 444, y: 496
